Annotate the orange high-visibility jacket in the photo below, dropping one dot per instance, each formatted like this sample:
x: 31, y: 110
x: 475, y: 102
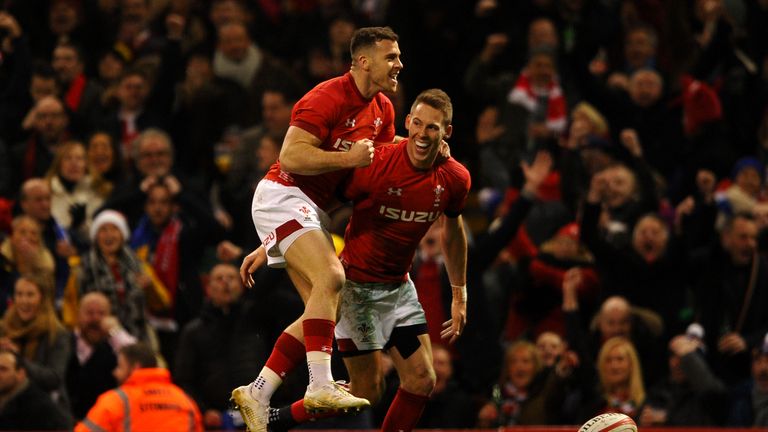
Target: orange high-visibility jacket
x: 146, y: 402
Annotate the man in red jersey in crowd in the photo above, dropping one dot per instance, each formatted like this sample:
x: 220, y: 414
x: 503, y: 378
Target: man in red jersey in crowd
x: 333, y: 128
x: 396, y: 199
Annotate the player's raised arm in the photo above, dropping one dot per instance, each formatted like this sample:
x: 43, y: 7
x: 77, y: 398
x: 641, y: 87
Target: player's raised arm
x: 454, y: 242
x: 301, y: 154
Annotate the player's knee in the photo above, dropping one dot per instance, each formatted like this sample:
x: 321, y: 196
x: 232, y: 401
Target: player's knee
x: 421, y: 381
x: 372, y: 388
x: 330, y: 280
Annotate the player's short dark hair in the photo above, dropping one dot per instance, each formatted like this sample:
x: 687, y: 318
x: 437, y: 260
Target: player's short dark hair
x: 438, y: 100
x: 368, y: 36
x: 139, y: 354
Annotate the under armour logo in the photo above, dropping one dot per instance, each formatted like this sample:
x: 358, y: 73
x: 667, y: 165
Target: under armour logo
x: 395, y: 191
x: 350, y: 123
x: 326, y: 349
x: 377, y: 122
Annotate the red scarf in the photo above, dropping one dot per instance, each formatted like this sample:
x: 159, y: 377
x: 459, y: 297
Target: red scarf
x: 524, y: 94
x: 75, y: 93
x: 166, y: 260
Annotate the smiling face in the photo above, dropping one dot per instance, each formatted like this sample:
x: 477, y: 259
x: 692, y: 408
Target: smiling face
x: 383, y: 64
x: 109, y: 239
x: 27, y: 299
x: 426, y: 130
x: 101, y: 155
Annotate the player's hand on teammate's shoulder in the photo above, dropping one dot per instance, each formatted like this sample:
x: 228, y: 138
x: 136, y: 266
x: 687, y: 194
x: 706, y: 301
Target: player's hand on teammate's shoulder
x: 361, y: 153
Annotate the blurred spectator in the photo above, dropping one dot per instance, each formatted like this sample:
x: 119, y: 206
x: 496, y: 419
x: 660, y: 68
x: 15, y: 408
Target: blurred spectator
x: 81, y: 95
x: 617, y: 197
x: 43, y: 82
x: 221, y: 347
x: 32, y: 157
x: 619, y: 387
x: 112, y: 268
x: 449, y: 406
x: 35, y: 201
x: 549, y: 347
x: 731, y: 291
x: 647, y: 271
x: 256, y: 150
x: 23, y: 253
x: 691, y: 396
x: 746, y: 193
x: 134, y: 31
x: 526, y: 392
x: 329, y: 57
x: 95, y: 342
x: 239, y: 59
x: 14, y: 76
x: 145, y: 400
x: 639, y: 52
x: 533, y: 113
x: 132, y: 114
x: 112, y: 66
x: 152, y: 153
x: 169, y: 236
x: 103, y: 159
x: 208, y: 113
x: 76, y: 193
x: 536, y: 307
x: 24, y: 406
x: 616, y: 318
x: 31, y: 329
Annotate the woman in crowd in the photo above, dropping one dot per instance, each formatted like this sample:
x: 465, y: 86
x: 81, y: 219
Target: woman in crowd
x: 30, y: 327
x: 23, y: 252
x: 112, y: 268
x: 75, y: 193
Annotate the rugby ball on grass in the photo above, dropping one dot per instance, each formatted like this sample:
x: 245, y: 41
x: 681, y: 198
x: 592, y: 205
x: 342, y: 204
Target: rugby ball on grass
x: 610, y: 422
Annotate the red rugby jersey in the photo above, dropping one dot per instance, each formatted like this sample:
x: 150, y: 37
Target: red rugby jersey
x: 395, y: 204
x: 337, y: 113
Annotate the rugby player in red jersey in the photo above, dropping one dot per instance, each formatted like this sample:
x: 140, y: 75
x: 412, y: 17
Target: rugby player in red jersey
x: 333, y: 128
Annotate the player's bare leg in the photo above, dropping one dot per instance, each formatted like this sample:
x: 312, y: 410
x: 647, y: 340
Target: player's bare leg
x: 313, y: 259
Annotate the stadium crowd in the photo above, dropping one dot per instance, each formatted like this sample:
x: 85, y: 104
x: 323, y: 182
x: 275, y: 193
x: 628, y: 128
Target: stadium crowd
x: 634, y: 279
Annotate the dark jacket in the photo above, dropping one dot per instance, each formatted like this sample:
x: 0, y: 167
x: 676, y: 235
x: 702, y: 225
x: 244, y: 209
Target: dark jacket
x: 85, y: 382
x: 219, y: 351
x: 33, y: 409
x: 701, y: 400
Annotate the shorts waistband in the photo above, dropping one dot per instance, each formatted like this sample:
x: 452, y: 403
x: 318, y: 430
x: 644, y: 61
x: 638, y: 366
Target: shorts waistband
x: 378, y: 286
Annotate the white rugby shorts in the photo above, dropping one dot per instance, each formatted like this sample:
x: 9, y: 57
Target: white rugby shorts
x: 368, y: 312
x: 281, y: 214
